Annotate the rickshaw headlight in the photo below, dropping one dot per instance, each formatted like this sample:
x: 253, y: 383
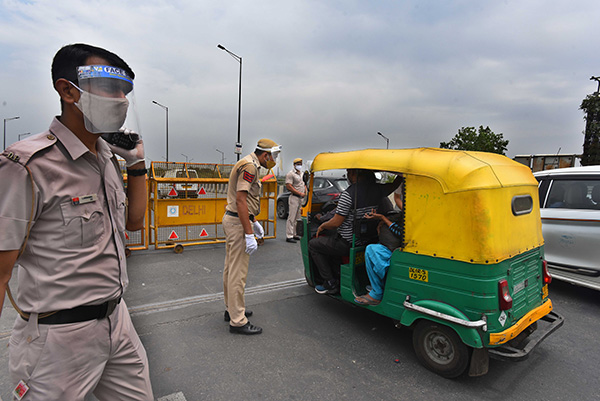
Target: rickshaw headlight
x: 504, y: 295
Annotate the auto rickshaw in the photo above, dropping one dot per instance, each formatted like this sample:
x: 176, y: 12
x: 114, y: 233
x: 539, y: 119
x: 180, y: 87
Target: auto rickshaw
x: 470, y: 278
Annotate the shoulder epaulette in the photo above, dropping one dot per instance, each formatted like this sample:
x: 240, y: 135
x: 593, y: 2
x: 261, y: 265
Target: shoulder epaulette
x: 22, y: 151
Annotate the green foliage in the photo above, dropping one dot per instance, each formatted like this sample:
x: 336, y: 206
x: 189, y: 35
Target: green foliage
x: 591, y: 142
x: 483, y: 140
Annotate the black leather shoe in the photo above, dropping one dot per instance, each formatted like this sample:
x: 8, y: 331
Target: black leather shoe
x: 290, y: 240
x: 248, y: 328
x: 227, y: 318
x: 297, y: 238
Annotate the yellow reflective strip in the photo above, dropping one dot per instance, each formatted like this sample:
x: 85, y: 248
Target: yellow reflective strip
x: 522, y: 324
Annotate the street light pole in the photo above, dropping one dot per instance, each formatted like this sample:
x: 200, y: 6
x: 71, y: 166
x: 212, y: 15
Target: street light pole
x: 167, y: 125
x: 387, y: 141
x: 20, y: 135
x: 5, y: 120
x: 239, y: 59
x: 222, y: 156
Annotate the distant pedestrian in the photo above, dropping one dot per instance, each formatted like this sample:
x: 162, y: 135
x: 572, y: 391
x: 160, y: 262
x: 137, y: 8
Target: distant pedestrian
x: 297, y: 188
x: 240, y: 226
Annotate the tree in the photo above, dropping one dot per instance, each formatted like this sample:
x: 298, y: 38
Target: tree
x: 591, y: 142
x: 483, y: 140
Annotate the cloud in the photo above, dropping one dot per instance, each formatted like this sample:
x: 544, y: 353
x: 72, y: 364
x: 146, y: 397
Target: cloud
x: 319, y: 75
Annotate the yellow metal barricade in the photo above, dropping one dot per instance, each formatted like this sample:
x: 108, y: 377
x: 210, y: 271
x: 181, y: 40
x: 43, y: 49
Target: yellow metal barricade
x: 187, y: 202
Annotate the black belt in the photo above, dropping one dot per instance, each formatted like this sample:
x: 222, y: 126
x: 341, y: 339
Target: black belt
x: 81, y: 313
x: 297, y: 196
x: 234, y: 214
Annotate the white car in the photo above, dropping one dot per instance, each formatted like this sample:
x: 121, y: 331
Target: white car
x: 181, y: 190
x: 570, y: 211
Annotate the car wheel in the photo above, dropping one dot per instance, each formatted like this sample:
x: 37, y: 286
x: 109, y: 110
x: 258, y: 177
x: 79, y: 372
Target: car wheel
x: 282, y: 210
x: 440, y: 349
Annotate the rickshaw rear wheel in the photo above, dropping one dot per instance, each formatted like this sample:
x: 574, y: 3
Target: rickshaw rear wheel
x: 440, y: 349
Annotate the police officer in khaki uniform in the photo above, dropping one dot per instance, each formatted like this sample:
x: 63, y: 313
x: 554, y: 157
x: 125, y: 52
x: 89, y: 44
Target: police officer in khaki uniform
x: 241, y: 226
x: 63, y: 217
x: 297, y: 188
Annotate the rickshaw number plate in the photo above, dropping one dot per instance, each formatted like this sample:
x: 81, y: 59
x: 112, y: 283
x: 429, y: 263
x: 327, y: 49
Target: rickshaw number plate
x: 418, y: 274
x: 545, y: 291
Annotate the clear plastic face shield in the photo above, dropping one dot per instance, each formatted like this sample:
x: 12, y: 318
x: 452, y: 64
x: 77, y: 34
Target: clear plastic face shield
x: 107, y: 100
x: 274, y: 152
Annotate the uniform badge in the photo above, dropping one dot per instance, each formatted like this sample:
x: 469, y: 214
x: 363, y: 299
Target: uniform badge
x: 248, y: 177
x: 21, y: 389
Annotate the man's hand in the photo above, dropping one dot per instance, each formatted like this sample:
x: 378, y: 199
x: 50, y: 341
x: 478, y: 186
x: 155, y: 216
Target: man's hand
x: 258, y: 229
x: 251, y: 244
x: 131, y: 156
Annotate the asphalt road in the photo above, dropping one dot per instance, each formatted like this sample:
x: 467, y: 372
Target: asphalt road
x: 315, y: 347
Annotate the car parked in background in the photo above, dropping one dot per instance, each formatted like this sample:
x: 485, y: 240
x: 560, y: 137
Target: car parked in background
x: 325, y: 189
x: 184, y: 190
x: 570, y: 212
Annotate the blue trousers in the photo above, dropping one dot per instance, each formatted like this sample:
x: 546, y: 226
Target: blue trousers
x: 377, y: 259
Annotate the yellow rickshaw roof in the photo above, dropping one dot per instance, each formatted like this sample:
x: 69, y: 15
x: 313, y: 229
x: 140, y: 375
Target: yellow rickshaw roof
x: 455, y: 170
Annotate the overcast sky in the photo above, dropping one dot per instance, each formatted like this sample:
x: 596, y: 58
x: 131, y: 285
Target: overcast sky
x: 318, y: 75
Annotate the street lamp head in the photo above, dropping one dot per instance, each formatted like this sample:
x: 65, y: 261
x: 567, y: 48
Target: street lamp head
x: 221, y: 47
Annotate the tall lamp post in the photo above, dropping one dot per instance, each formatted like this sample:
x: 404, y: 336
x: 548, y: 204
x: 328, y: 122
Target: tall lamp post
x: 222, y: 156
x: 238, y: 145
x: 167, y: 125
x: 187, y: 159
x: 5, y: 120
x: 387, y: 141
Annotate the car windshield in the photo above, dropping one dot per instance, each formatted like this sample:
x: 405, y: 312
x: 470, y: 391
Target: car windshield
x: 341, y: 184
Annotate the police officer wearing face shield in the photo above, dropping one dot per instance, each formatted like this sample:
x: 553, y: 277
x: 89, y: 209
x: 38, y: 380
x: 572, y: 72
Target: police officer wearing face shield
x: 63, y: 225
x: 240, y: 226
x: 297, y: 188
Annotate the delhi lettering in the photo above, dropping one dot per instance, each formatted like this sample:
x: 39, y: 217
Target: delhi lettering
x: 194, y: 210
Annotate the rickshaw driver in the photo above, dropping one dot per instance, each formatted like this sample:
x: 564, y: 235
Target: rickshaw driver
x: 326, y: 251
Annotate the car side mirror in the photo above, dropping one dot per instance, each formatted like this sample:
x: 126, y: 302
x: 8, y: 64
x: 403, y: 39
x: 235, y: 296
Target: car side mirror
x: 305, y: 177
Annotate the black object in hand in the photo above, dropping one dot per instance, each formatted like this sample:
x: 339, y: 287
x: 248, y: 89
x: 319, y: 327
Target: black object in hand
x: 122, y: 140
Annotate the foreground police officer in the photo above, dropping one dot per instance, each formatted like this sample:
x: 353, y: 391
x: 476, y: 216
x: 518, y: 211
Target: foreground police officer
x: 240, y: 226
x: 66, y: 211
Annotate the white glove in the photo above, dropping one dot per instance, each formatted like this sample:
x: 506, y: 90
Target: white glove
x: 258, y: 229
x: 131, y: 156
x: 251, y: 244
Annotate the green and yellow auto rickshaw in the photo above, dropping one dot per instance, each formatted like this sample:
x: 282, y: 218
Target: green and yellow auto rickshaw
x: 470, y: 277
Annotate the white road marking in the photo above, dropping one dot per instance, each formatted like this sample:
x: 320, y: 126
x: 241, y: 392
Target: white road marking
x: 171, y: 397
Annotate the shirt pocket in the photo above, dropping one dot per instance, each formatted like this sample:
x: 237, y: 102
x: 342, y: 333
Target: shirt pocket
x: 120, y: 207
x: 83, y: 225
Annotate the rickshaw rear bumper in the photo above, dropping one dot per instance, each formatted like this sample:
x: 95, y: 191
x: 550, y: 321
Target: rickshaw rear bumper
x: 519, y: 349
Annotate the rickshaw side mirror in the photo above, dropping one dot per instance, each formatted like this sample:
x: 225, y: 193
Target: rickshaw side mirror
x: 305, y: 177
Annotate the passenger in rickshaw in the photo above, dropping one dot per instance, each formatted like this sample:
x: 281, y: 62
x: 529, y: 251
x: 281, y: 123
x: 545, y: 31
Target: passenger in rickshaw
x: 362, y: 196
x: 378, y: 256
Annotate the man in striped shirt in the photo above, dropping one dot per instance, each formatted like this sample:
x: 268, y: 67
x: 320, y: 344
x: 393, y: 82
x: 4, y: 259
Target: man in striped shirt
x: 361, y: 197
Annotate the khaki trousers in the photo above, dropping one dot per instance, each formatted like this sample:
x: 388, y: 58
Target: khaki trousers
x: 293, y: 215
x: 68, y: 362
x: 235, y: 271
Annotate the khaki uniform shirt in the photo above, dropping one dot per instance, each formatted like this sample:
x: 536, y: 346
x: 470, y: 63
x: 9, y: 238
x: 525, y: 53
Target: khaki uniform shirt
x: 75, y: 254
x: 294, y: 177
x: 244, y: 177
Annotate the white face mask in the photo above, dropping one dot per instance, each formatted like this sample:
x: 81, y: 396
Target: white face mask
x: 102, y: 114
x: 298, y: 167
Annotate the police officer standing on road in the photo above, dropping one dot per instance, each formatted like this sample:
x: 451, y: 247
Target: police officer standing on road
x: 297, y: 188
x: 63, y: 217
x: 240, y: 226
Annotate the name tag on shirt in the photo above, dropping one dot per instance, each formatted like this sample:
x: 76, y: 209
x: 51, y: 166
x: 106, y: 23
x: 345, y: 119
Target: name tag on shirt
x: 83, y: 199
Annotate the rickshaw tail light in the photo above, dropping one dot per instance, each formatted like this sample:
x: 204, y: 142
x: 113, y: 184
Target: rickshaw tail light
x: 545, y: 273
x: 504, y: 294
